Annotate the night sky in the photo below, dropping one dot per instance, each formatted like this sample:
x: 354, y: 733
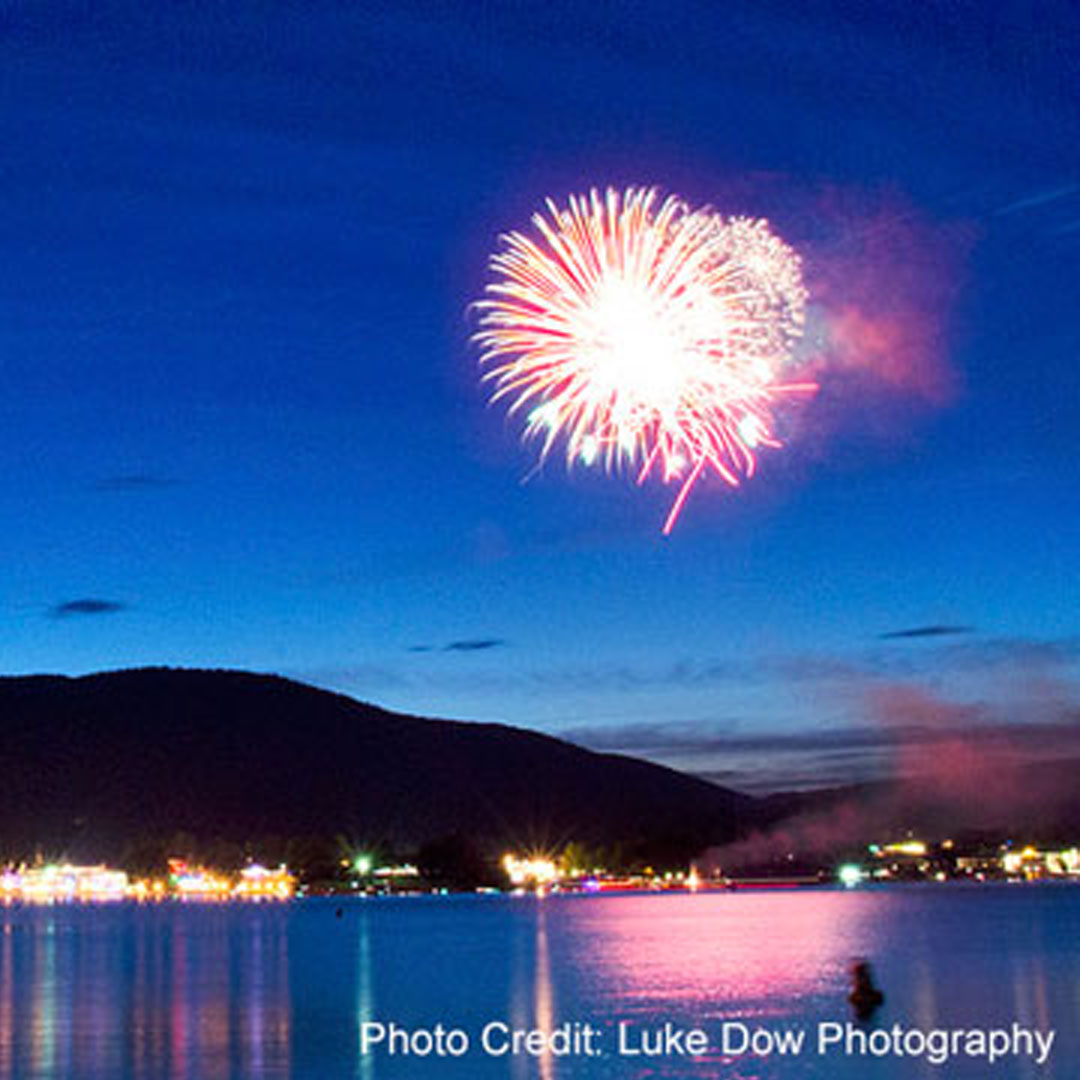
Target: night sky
x: 242, y: 425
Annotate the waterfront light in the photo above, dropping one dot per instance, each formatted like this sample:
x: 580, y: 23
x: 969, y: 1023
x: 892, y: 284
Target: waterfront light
x: 259, y: 883
x: 915, y: 848
x: 10, y: 884
x: 530, y: 870
x: 57, y: 883
x: 200, y: 884
x: 1033, y: 863
x: 850, y: 875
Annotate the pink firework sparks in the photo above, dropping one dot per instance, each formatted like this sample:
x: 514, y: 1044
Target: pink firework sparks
x: 644, y: 335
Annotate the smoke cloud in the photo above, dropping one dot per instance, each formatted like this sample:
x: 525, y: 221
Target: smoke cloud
x: 955, y: 768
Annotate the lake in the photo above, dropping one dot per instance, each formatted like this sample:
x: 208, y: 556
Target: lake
x: 127, y: 992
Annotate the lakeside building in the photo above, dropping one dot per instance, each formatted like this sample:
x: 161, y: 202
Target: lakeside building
x: 57, y: 883
x: 1032, y: 863
x: 260, y: 883
x: 916, y: 860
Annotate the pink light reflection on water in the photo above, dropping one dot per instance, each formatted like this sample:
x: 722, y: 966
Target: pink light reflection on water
x: 757, y: 956
x: 764, y: 948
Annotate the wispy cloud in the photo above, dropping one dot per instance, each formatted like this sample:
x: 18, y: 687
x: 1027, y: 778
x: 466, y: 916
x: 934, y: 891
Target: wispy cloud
x: 133, y: 482
x: 932, y: 631
x: 969, y: 654
x: 462, y: 645
x: 87, y: 605
x: 842, y: 677
x: 688, y: 739
x: 1039, y: 198
x: 700, y: 739
x: 909, y: 730
x: 474, y: 645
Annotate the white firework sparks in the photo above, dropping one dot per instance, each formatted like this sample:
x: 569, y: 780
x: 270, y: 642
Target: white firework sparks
x: 640, y: 333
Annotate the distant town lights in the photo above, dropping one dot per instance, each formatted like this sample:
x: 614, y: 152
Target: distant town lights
x: 914, y: 848
x: 850, y: 875
x: 66, y: 883
x: 529, y: 870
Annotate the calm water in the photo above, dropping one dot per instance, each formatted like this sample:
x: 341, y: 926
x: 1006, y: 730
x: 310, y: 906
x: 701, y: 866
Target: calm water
x: 172, y: 991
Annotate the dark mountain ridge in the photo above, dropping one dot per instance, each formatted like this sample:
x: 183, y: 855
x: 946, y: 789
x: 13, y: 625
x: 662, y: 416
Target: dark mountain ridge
x: 98, y: 763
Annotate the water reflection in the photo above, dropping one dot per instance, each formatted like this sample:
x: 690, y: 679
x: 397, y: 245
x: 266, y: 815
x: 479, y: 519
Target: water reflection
x: 171, y: 993
x: 365, y: 994
x: 43, y: 1024
x: 7, y: 999
x: 758, y: 950
x: 532, y: 1002
x: 151, y: 993
x: 544, y: 994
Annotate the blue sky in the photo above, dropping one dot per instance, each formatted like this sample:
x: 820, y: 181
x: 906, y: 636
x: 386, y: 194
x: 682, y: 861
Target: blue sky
x: 241, y: 423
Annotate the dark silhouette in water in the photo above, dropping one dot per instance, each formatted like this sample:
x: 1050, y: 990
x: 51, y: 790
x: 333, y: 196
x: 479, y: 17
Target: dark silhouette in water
x: 865, y: 997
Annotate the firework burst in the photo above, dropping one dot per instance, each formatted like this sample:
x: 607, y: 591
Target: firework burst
x: 638, y: 333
